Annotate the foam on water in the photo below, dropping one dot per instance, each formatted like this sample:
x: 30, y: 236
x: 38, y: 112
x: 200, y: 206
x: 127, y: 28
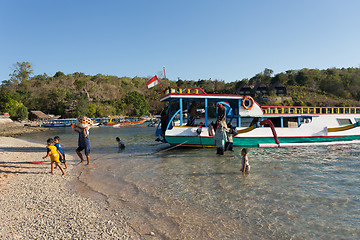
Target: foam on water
x: 291, y: 193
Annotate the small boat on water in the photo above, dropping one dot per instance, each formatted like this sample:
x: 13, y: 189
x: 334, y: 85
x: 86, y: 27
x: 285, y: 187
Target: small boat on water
x: 256, y: 126
x: 114, y: 122
x: 120, y: 122
x: 54, y: 123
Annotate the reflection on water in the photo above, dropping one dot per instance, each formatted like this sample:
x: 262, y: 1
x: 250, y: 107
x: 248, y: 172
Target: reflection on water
x: 291, y: 193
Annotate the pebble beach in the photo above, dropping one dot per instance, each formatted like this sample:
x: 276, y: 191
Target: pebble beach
x: 38, y: 205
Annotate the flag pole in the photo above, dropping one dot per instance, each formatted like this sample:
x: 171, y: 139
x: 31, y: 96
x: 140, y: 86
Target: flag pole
x: 154, y: 81
x: 162, y: 90
x: 165, y: 77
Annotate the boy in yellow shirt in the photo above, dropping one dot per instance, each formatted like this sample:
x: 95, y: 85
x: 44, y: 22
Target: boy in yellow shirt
x: 54, y: 155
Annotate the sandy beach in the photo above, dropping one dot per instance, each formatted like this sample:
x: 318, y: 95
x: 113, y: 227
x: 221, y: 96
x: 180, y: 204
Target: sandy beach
x: 38, y: 205
x: 9, y: 128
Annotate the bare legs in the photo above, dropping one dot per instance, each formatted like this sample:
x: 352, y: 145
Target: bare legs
x: 57, y: 165
x: 82, y: 159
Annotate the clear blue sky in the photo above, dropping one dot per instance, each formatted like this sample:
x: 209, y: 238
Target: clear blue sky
x: 196, y: 39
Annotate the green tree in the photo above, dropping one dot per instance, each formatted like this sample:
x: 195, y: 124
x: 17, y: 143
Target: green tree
x: 281, y: 77
x: 92, y: 110
x: 21, y: 112
x: 80, y: 83
x: 16, y: 109
x: 332, y: 84
x: 59, y: 74
x: 138, y: 103
x: 82, y: 106
x: 119, y: 106
x: 302, y: 78
x: 268, y: 72
x: 21, y: 73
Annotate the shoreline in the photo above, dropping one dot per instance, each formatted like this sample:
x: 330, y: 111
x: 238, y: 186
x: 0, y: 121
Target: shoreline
x: 39, y: 205
x: 13, y: 129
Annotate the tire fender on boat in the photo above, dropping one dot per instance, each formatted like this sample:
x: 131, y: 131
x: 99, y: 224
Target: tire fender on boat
x: 245, y: 101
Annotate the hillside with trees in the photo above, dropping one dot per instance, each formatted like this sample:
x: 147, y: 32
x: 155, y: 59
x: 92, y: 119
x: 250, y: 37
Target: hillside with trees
x: 314, y: 87
x: 70, y: 95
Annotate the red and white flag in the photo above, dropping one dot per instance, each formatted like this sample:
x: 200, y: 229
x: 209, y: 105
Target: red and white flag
x: 152, y: 82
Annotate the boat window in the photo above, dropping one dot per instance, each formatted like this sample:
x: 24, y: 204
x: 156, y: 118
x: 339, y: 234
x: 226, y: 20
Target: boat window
x: 276, y: 121
x: 305, y: 120
x: 357, y: 119
x: 344, y: 121
x: 248, y: 121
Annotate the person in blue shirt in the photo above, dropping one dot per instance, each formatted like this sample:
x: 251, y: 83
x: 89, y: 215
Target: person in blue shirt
x: 59, y: 148
x: 83, y: 144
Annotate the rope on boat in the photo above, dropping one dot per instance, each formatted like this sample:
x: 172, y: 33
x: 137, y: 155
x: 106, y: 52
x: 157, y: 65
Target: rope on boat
x: 167, y: 149
x: 164, y: 150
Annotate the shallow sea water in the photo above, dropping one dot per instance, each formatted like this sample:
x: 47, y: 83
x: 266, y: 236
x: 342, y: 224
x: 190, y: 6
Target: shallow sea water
x: 290, y: 193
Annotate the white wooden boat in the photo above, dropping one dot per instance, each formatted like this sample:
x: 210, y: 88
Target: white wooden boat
x: 257, y: 126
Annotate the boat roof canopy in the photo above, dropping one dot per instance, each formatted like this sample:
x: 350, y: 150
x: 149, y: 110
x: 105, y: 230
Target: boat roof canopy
x: 211, y: 97
x: 189, y: 94
x: 195, y: 93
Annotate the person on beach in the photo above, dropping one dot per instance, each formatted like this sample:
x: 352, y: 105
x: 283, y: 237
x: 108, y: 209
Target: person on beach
x: 164, y: 119
x: 254, y: 121
x: 120, y: 143
x: 220, y: 137
x: 230, y: 133
x: 83, y: 144
x: 54, y: 155
x: 62, y: 153
x: 192, y: 113
x: 221, y: 111
x: 245, y: 161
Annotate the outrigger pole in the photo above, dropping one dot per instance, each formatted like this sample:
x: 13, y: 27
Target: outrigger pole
x: 266, y: 121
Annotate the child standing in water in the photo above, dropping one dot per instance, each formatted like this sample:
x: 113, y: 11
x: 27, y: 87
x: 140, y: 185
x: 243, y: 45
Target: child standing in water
x: 245, y: 161
x: 230, y: 133
x: 54, y: 156
x: 120, y: 143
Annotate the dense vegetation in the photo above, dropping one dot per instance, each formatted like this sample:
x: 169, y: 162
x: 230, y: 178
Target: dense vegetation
x: 102, y: 95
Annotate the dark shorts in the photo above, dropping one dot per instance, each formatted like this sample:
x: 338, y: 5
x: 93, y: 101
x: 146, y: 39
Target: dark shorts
x: 87, y: 150
x: 62, y: 160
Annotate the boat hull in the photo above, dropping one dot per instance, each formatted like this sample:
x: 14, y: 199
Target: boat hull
x: 187, y: 136
x: 196, y: 141
x: 125, y: 123
x: 55, y: 125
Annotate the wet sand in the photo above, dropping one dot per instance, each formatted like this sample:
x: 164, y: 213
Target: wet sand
x: 38, y: 205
